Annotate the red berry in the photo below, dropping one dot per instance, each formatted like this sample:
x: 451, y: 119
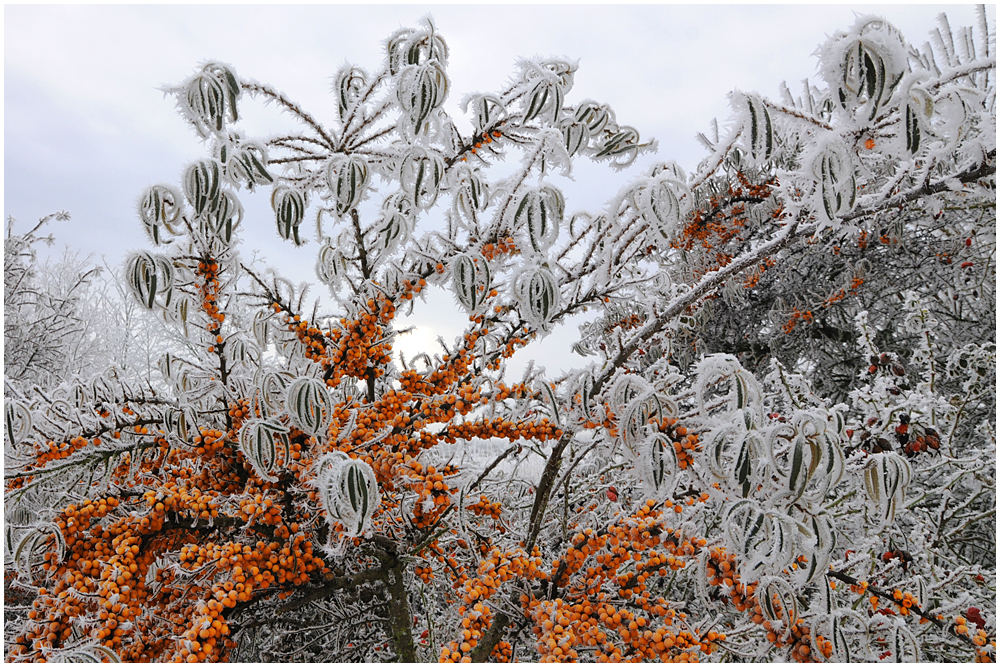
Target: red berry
x: 972, y: 613
x: 612, y: 494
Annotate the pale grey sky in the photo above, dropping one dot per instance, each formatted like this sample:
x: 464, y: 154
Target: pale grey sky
x: 86, y: 129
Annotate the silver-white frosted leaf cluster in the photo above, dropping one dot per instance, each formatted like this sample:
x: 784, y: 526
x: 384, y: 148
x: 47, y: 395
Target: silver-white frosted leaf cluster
x: 309, y: 405
x: 348, y: 491
x: 470, y: 277
x: 150, y: 279
x: 538, y: 296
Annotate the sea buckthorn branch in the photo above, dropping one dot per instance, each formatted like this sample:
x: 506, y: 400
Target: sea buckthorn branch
x: 721, y: 571
x: 708, y: 282
x: 366, y: 94
x: 891, y: 597
x: 267, y: 91
x: 976, y: 171
x: 497, y: 461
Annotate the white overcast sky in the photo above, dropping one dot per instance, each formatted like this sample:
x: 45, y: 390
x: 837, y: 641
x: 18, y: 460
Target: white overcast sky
x: 86, y: 128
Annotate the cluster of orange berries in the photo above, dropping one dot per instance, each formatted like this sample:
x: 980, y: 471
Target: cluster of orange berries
x: 353, y: 350
x: 184, y: 499
x: 582, y: 614
x: 561, y: 626
x: 208, y: 270
x: 99, y: 582
x: 511, y: 346
x: 796, y: 317
x: 483, y: 507
x: 685, y: 443
x: 239, y: 412
x: 709, y: 227
x: 632, y: 321
x: 504, y: 246
x: 433, y: 493
x: 980, y: 638
x: 499, y: 427
x: 50, y: 451
x: 209, y: 441
x: 485, y: 137
x: 424, y: 572
x: 409, y: 289
x: 757, y: 273
x: 904, y: 601
x: 496, y: 568
x: 721, y: 571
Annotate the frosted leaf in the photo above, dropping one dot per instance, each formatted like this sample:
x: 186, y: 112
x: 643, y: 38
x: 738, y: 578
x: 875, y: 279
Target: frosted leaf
x: 822, y: 542
x: 634, y: 421
x: 202, y: 182
x: 836, y: 185
x: 916, y: 118
x: 904, y: 645
x: 413, y: 47
x: 257, y: 443
x: 348, y: 491
x: 17, y: 420
x: 470, y: 277
x: 348, y: 84
x: 736, y: 457
x: 778, y: 603
x: 248, y: 163
x: 180, y: 423
x: 309, y: 405
x: 595, y: 116
x: 576, y: 135
x: 741, y: 392
x: 541, y: 211
x: 420, y: 175
x: 763, y: 540
x: 209, y: 96
x: 150, y: 276
x: 159, y: 208
x: 420, y: 90
x: 289, y: 206
x: 488, y: 110
x: 472, y: 194
x: 758, y: 132
x: 347, y: 181
x: 261, y: 328
x: 545, y: 97
x: 626, y: 389
x: 330, y: 264
x: 222, y: 220
x: 622, y: 147
x: 813, y: 460
x: 663, y: 202
x: 271, y: 390
x: 886, y: 478
x: 538, y: 296
x: 864, y: 66
x: 658, y: 466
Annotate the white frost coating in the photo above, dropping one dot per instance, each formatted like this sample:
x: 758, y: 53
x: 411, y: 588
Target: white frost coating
x: 309, y: 405
x: 348, y: 491
x: 742, y: 393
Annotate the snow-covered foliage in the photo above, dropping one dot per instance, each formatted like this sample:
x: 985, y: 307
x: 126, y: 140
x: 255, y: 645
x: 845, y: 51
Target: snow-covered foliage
x: 781, y: 445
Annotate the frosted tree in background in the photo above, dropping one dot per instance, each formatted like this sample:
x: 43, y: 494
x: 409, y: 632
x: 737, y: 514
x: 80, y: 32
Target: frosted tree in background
x: 780, y: 444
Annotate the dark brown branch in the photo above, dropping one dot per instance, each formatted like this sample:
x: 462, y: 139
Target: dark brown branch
x: 847, y: 579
